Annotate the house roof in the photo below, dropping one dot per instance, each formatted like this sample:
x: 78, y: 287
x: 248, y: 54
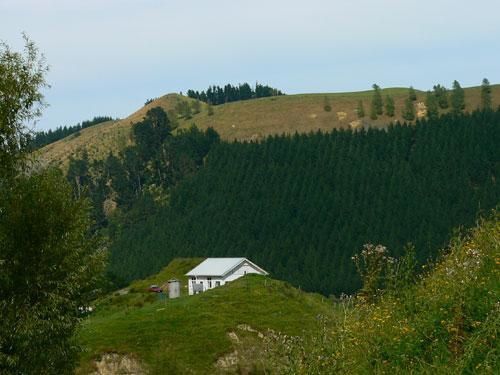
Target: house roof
x: 219, y: 266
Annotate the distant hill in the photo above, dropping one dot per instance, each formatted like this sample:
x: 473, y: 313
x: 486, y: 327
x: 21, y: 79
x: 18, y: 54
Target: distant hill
x: 200, y: 334
x: 248, y: 120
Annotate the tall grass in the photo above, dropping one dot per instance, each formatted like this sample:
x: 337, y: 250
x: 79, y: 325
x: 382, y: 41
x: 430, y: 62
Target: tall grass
x: 447, y: 323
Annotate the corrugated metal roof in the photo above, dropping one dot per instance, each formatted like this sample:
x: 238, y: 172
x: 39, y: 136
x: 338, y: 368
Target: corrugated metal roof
x: 215, y: 266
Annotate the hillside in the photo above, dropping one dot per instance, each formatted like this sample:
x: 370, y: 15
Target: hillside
x: 302, y: 205
x: 192, y: 334
x: 444, y: 321
x: 248, y: 120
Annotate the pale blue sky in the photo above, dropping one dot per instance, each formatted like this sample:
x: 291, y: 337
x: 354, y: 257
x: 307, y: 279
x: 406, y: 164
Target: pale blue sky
x: 108, y: 56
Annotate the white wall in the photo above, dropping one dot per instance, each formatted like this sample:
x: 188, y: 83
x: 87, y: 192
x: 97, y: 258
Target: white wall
x: 241, y: 270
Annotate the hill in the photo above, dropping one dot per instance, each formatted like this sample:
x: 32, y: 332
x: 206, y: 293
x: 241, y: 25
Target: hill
x: 248, y: 120
x: 443, y: 321
x: 195, y: 334
x: 302, y: 205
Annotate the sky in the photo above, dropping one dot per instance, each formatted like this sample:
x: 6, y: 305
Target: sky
x: 107, y: 57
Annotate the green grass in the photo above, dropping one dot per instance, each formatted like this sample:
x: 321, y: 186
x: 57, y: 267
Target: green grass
x: 446, y: 323
x: 188, y: 334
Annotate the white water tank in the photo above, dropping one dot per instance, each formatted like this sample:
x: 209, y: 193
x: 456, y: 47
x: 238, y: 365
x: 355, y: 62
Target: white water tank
x: 174, y: 288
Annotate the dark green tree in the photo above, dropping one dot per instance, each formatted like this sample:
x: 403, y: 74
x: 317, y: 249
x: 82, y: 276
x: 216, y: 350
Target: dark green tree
x: 431, y: 103
x: 360, y: 110
x: 412, y: 94
x: 326, y: 104
x: 50, y: 266
x: 389, y: 106
x: 408, y: 110
x: 377, y: 108
x: 485, y: 94
x: 441, y: 94
x: 457, y: 98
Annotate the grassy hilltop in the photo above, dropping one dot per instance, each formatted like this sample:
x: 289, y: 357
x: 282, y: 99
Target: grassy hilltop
x: 196, y: 334
x: 444, y: 322
x: 248, y: 120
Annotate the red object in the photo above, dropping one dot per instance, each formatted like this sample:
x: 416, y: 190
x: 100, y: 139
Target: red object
x: 155, y: 289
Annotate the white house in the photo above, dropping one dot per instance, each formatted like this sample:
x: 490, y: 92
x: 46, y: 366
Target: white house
x: 214, y: 272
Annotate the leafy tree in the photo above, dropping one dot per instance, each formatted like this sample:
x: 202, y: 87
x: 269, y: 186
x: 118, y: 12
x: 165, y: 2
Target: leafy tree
x: 22, y: 76
x: 408, y: 110
x: 210, y: 109
x: 50, y: 266
x: 183, y: 109
x: 377, y: 108
x: 441, y: 94
x: 326, y: 104
x: 412, y: 94
x: 457, y: 98
x: 360, y: 110
x: 389, y: 106
x: 196, y: 107
x: 431, y: 103
x: 485, y: 94
x: 50, y: 269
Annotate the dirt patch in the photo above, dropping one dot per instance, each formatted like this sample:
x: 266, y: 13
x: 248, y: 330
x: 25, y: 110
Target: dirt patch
x: 421, y: 110
x: 247, y: 353
x: 341, y: 116
x: 114, y: 363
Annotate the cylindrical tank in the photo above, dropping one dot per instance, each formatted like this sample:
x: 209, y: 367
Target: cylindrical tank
x: 174, y: 288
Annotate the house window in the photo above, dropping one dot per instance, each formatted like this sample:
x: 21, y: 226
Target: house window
x: 209, y: 282
x: 217, y: 283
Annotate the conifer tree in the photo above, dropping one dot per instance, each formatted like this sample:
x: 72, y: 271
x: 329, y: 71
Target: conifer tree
x: 377, y: 102
x: 431, y: 104
x: 441, y: 94
x: 326, y: 104
x: 412, y: 94
x: 389, y: 106
x: 408, y: 110
x: 457, y: 98
x: 485, y: 94
x: 360, y: 110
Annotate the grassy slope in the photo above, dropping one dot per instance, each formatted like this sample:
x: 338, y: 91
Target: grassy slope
x: 246, y: 120
x: 188, y: 334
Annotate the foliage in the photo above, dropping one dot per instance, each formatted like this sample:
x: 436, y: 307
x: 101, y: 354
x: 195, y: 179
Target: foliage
x: 457, y: 98
x: 412, y: 94
x: 183, y: 109
x: 431, y: 103
x: 442, y: 96
x: 302, y: 205
x: 408, y: 110
x: 360, y: 110
x: 485, y: 94
x: 22, y: 77
x: 42, y: 138
x: 219, y: 95
x: 446, y: 323
x: 377, y: 107
x: 210, y: 109
x: 372, y: 264
x: 327, y: 107
x: 389, y: 106
x: 49, y: 267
